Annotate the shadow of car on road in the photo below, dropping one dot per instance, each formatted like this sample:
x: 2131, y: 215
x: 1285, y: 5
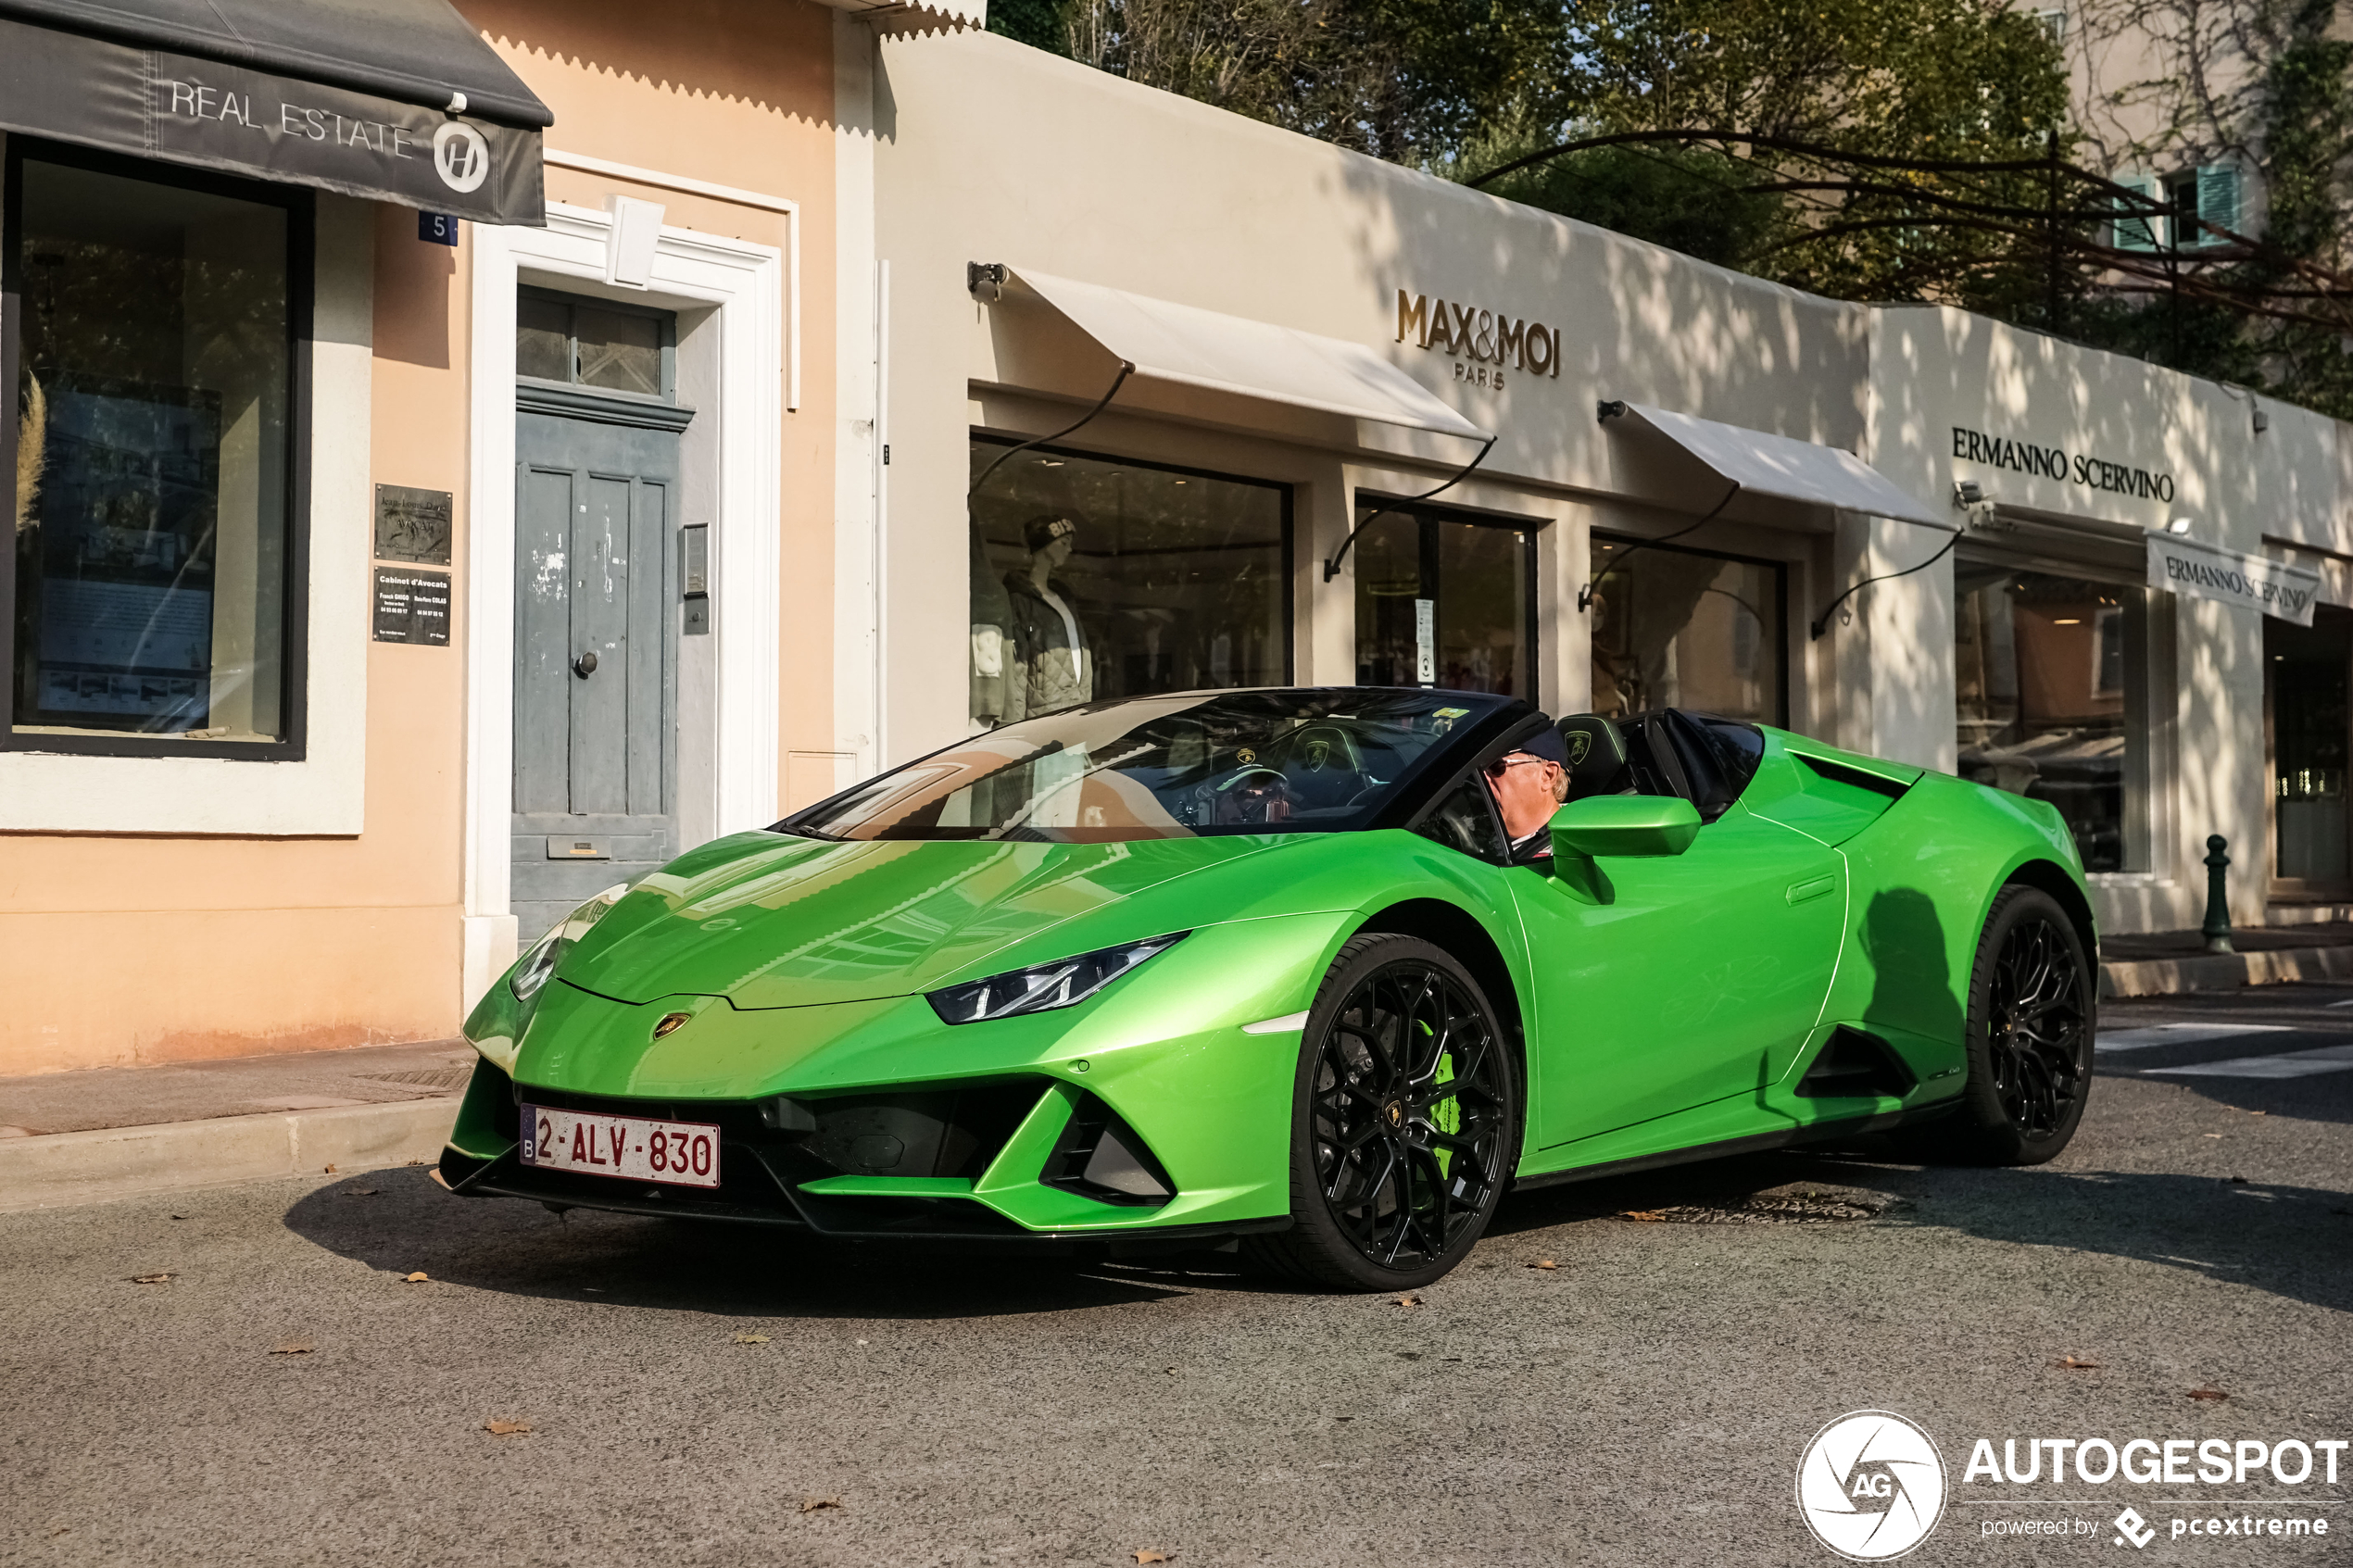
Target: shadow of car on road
x: 400, y: 1221
x: 2291, y: 1241
x: 2286, y: 1240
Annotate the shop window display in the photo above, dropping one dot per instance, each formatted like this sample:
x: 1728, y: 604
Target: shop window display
x: 1444, y: 601
x: 1677, y: 628
x: 2311, y: 712
x: 1096, y: 578
x: 151, y: 496
x: 2045, y: 668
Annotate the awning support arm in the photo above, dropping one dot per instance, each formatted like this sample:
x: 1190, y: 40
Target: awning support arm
x: 1126, y: 370
x: 1331, y: 567
x: 1823, y: 625
x: 1585, y: 594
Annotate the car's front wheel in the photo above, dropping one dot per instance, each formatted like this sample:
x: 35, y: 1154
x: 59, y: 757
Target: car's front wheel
x: 2031, y: 1011
x: 1405, y: 1120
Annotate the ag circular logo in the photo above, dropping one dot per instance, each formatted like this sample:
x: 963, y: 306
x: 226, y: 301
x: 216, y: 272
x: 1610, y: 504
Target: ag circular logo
x: 1871, y: 1485
x: 460, y: 156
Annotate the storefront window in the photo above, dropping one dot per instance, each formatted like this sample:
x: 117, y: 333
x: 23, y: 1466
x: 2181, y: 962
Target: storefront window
x: 1444, y: 601
x: 1096, y: 578
x: 1677, y: 628
x: 2044, y: 669
x: 2311, y: 721
x: 151, y: 505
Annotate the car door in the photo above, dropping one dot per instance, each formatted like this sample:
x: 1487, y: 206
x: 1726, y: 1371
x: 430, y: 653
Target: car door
x: 1670, y: 982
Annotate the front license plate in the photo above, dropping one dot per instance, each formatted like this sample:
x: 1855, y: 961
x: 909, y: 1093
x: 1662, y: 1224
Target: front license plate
x: 632, y: 1147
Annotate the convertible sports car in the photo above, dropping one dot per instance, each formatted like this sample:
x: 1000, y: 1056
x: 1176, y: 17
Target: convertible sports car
x: 1264, y: 965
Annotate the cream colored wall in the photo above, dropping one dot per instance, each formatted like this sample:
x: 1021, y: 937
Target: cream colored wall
x: 1934, y: 368
x: 992, y: 152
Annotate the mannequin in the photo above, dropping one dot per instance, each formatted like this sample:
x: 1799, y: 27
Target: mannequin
x: 1052, y: 667
x: 992, y: 637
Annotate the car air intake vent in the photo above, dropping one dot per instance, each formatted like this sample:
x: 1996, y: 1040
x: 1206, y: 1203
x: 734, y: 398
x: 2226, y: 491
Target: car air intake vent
x: 951, y: 1130
x: 1855, y: 1064
x: 1099, y: 1157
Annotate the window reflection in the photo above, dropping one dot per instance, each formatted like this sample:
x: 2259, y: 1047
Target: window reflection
x: 151, y: 483
x: 2043, y: 666
x: 1677, y: 628
x: 1093, y: 578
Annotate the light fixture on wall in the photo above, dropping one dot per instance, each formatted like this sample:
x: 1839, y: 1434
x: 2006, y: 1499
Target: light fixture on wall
x: 1967, y: 493
x: 2180, y: 525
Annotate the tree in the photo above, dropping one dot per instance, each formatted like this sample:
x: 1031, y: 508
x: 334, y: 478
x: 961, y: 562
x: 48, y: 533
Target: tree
x: 1948, y: 83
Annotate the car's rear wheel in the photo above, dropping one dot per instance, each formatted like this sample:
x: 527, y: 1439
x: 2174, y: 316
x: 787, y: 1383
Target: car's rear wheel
x: 2031, y: 1015
x: 1406, y: 1122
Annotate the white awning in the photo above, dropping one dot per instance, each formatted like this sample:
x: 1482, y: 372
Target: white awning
x: 1790, y: 469
x: 1205, y: 348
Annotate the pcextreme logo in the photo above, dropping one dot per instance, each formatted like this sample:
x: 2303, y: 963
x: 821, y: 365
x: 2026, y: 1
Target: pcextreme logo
x: 1871, y: 1485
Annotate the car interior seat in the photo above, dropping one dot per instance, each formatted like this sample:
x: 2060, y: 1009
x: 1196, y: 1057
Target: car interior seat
x: 1596, y: 756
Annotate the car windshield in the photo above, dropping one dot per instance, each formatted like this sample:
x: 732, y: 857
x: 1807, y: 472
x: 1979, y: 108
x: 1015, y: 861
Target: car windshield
x: 1161, y: 767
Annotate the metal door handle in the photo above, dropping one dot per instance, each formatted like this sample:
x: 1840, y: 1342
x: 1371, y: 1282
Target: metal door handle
x: 586, y: 665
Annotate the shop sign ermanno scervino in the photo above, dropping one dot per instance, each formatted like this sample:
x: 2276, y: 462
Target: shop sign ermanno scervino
x: 1485, y: 344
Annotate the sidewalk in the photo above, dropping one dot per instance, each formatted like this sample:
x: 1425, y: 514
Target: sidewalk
x: 2169, y: 963
x: 83, y: 1137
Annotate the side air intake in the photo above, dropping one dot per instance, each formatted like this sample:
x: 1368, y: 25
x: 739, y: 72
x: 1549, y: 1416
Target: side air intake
x: 1098, y: 1156
x: 1854, y: 1063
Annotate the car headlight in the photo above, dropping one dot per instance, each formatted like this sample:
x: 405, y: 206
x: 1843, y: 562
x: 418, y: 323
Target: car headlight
x: 535, y: 968
x: 1047, y: 987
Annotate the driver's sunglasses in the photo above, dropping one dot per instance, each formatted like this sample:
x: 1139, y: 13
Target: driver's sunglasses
x: 1503, y: 765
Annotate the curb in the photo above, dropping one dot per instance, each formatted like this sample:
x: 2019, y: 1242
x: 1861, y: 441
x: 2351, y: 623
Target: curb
x: 2223, y: 972
x: 51, y: 1169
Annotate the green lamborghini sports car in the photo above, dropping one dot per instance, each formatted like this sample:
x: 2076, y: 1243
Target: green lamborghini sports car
x: 1266, y: 965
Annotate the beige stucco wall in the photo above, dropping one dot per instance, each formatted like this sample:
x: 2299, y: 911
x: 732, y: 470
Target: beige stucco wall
x: 1091, y: 177
x: 1933, y: 370
x: 125, y: 949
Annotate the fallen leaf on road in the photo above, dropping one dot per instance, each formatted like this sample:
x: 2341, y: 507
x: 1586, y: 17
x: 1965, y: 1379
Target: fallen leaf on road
x: 2207, y: 1394
x: 1409, y: 1300
x: 331, y: 1170
x: 149, y: 1279
x: 1146, y: 1554
x: 180, y: 1216
x: 1544, y: 1264
x: 2238, y: 1180
x: 497, y: 1428
x: 2258, y: 1113
x: 417, y: 1278
x: 363, y: 1192
x: 751, y: 1339
x: 2071, y: 1364
x: 2209, y: 1134
x: 291, y: 1348
x: 810, y: 1505
x: 56, y: 1530
x: 1650, y: 1214
x: 1170, y: 1370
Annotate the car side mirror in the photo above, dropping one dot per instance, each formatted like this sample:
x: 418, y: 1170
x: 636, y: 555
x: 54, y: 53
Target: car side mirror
x: 1625, y: 825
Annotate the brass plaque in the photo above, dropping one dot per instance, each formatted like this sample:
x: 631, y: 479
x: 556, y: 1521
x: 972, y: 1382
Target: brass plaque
x: 412, y: 524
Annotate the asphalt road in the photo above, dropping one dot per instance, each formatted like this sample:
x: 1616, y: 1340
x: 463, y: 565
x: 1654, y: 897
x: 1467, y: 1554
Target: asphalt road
x: 689, y: 1391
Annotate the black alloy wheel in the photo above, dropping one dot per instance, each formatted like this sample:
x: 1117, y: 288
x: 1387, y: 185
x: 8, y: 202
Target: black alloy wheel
x: 1406, y: 1120
x: 2031, y: 1024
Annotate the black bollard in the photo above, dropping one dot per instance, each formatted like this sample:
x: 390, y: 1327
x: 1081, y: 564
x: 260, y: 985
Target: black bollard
x: 2216, y: 930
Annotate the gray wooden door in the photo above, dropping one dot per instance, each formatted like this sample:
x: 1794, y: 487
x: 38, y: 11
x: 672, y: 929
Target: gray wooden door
x: 595, y: 658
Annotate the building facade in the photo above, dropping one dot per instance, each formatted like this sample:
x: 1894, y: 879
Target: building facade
x: 396, y: 564
x: 2085, y: 575
x: 424, y: 443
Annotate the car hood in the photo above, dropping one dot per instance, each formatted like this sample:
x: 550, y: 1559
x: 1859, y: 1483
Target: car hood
x: 770, y: 919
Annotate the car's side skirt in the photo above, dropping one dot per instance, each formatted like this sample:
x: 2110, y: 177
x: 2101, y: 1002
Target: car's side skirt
x: 1755, y: 1143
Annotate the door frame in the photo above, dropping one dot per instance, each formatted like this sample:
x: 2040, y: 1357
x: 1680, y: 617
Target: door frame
x: 743, y: 284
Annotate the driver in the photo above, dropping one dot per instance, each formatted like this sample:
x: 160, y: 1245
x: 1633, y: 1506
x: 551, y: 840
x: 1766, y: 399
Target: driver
x: 1529, y: 783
